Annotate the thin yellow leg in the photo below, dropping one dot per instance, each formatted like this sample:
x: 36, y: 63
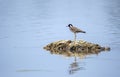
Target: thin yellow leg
x: 74, y: 37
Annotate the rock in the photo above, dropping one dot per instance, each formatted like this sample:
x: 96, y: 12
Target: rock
x: 71, y: 48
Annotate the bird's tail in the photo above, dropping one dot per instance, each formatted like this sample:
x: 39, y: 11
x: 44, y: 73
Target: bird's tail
x: 83, y: 31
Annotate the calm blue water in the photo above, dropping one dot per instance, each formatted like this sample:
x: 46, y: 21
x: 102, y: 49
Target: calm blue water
x: 26, y: 26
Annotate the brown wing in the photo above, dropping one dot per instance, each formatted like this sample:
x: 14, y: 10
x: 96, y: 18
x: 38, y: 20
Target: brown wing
x: 77, y: 30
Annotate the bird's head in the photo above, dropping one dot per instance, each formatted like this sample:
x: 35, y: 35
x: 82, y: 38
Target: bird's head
x: 69, y: 25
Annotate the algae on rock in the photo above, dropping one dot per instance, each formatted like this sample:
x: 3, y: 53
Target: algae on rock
x: 79, y: 48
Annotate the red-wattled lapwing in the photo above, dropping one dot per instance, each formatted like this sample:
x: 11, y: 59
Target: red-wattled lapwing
x: 75, y: 30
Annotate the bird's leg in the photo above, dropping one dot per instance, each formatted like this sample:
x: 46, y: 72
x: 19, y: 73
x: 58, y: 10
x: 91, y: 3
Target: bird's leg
x: 75, y: 37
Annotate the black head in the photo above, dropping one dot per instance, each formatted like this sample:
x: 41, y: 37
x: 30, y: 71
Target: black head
x: 70, y: 25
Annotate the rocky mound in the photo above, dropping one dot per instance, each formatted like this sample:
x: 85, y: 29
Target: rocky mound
x: 70, y: 48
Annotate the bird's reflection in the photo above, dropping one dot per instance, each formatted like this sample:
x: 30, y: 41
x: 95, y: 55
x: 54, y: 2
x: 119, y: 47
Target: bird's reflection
x: 74, y: 67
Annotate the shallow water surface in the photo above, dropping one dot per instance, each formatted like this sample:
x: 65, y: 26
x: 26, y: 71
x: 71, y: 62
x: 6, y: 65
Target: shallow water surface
x: 26, y: 26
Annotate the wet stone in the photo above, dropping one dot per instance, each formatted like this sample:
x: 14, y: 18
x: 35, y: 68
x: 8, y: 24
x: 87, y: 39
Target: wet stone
x: 71, y: 48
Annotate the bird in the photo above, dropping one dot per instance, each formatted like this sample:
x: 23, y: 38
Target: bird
x: 75, y: 30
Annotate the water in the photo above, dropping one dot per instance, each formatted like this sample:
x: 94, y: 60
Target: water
x: 26, y: 26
